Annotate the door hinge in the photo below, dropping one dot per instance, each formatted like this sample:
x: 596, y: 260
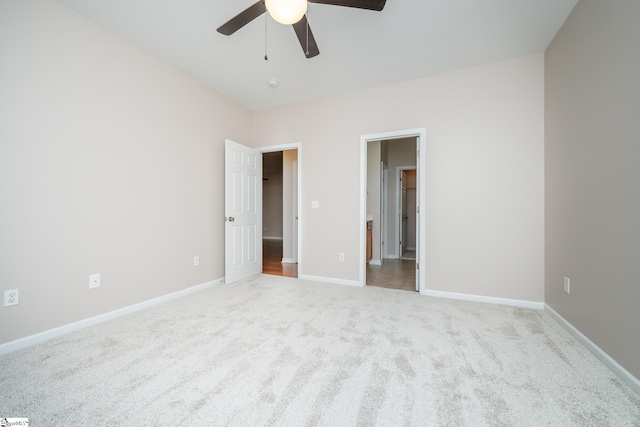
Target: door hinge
x: 417, y: 266
x: 418, y: 209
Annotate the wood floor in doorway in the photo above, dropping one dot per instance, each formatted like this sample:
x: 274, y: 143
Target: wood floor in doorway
x: 409, y: 254
x: 394, y: 274
x: 272, y: 260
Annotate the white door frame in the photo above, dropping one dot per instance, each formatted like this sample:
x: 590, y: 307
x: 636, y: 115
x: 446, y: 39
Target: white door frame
x: 285, y: 147
x: 420, y: 133
x: 295, y: 211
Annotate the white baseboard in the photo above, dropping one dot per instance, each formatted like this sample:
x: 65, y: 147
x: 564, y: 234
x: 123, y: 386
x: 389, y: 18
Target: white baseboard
x: 330, y: 280
x: 410, y: 249
x: 271, y: 238
x: 91, y: 321
x: 392, y: 256
x: 624, y: 375
x: 375, y: 262
x: 480, y: 298
x: 289, y: 261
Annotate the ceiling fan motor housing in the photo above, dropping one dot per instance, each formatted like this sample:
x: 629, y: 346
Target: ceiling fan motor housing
x: 286, y: 11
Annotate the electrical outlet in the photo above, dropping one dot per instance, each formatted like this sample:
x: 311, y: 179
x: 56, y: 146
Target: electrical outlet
x: 11, y: 297
x: 94, y: 280
x: 341, y: 256
x: 567, y: 285
x: 196, y: 260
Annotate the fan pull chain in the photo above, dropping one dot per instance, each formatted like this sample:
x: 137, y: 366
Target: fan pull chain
x: 266, y: 18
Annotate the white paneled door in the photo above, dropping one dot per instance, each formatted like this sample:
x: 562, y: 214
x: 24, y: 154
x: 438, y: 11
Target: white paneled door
x: 243, y: 212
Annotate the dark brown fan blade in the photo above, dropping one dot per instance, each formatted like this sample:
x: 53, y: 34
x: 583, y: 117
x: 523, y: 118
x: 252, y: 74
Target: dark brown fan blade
x: 243, y: 18
x: 360, y: 4
x: 306, y: 38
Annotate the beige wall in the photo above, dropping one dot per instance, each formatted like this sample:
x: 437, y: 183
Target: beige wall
x: 484, y: 156
x: 592, y: 158
x: 111, y: 162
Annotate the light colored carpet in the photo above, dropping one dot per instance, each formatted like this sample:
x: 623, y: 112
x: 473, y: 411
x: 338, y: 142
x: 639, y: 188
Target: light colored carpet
x: 280, y: 351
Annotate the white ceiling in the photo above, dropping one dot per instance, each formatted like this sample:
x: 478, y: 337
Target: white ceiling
x: 359, y: 49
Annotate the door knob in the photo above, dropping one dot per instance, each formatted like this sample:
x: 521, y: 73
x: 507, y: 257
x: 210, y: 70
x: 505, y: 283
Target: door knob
x: 231, y: 219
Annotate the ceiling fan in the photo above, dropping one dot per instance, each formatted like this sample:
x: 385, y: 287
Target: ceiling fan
x: 299, y: 22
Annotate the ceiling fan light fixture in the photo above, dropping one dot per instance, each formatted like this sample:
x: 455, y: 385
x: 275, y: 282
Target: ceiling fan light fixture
x: 286, y: 11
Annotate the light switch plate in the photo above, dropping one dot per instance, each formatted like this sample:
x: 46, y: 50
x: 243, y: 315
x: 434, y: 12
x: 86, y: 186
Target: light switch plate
x: 94, y: 281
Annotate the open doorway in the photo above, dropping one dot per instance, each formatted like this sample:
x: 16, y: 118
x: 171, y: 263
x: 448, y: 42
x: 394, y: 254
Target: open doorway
x: 280, y: 213
x: 392, y: 189
x: 392, y: 203
x: 244, y: 207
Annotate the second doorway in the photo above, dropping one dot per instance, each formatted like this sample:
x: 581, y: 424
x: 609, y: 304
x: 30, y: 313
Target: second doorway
x: 280, y: 213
